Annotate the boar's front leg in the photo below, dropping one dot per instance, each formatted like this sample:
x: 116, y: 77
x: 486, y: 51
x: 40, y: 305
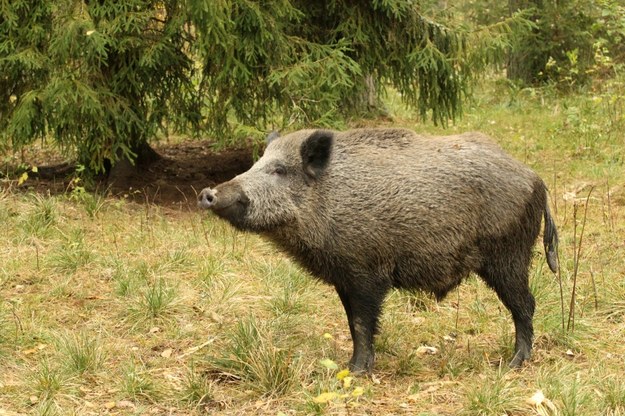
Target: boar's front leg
x: 362, y: 306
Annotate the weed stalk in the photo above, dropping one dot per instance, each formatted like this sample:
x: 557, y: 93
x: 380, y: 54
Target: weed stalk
x: 577, y: 251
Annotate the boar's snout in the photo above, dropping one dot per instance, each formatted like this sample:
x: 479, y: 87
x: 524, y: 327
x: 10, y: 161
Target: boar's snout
x: 205, y: 198
x: 227, y: 200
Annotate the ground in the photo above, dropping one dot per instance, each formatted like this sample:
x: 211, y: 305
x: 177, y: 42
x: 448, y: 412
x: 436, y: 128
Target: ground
x: 183, y: 170
x: 192, y: 317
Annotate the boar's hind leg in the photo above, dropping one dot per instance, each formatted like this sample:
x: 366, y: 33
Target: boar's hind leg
x: 363, y: 307
x: 511, y: 284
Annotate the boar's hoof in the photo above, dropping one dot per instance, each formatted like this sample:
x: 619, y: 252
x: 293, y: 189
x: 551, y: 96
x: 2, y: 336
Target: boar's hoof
x: 519, y: 357
x: 361, y: 365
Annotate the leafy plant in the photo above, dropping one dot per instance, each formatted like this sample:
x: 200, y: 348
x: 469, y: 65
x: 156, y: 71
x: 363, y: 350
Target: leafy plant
x: 93, y: 202
x: 41, y: 216
x: 614, y: 394
x: 46, y: 380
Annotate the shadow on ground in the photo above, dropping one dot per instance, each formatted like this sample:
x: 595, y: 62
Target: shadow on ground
x: 174, y: 180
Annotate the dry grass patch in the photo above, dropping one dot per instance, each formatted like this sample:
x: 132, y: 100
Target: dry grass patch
x: 111, y: 307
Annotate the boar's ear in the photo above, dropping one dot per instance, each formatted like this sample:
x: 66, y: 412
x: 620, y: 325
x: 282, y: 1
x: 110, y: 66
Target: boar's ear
x: 271, y: 137
x: 315, y: 152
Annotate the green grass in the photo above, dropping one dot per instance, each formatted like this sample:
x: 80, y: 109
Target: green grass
x: 197, y: 389
x: 107, y: 306
x: 82, y: 352
x: 137, y: 383
x: 45, y: 381
x: 497, y: 395
x: 251, y: 356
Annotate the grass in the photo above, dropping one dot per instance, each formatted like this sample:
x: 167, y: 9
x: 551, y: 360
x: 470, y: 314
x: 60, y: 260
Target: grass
x: 198, y: 389
x: 107, y: 306
x: 251, y: 357
x: 82, y: 352
x: 498, y: 394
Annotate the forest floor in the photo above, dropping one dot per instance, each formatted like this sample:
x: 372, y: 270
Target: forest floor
x: 129, y: 300
x: 184, y: 168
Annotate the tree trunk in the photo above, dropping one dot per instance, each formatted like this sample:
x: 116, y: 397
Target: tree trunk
x: 527, y: 59
x: 368, y: 103
x: 124, y: 169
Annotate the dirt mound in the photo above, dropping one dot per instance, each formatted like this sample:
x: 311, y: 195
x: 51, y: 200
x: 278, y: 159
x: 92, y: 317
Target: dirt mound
x: 174, y: 179
x: 181, y: 172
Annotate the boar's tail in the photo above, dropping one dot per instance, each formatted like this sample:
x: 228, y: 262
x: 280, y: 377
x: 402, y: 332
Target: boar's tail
x: 550, y: 240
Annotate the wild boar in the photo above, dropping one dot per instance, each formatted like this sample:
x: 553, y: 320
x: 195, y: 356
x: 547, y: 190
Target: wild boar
x: 368, y: 210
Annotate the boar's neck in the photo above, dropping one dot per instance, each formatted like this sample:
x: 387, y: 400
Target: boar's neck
x: 309, y: 249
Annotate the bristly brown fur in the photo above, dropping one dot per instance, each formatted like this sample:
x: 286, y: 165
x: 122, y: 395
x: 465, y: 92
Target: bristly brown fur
x: 369, y: 210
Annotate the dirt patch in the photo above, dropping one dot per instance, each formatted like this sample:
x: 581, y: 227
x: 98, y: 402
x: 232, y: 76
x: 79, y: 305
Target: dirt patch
x: 181, y: 173
x: 175, y: 179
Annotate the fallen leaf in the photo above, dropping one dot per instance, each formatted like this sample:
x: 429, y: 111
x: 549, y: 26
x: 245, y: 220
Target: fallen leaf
x: 358, y: 391
x: 216, y: 317
x: 126, y: 404
x: 110, y: 405
x: 325, y: 397
x: 33, y: 399
x: 34, y: 350
x: 329, y: 364
x: 542, y: 404
x: 537, y: 398
x: 167, y: 353
x: 342, y: 374
x: 569, y: 196
x: 418, y: 320
x: 425, y: 349
x: 375, y: 379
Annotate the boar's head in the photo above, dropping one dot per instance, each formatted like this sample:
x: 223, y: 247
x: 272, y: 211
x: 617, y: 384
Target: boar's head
x: 271, y: 193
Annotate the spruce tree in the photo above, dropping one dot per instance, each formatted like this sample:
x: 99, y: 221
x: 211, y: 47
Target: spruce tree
x: 103, y: 78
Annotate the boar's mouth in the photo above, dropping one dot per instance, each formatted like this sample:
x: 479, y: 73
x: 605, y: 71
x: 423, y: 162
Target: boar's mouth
x: 228, y: 202
x: 234, y: 213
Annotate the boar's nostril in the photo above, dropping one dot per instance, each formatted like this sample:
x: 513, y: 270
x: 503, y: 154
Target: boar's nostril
x: 205, y: 198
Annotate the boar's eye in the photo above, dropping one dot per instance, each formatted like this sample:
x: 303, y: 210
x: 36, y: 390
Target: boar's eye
x: 279, y: 170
